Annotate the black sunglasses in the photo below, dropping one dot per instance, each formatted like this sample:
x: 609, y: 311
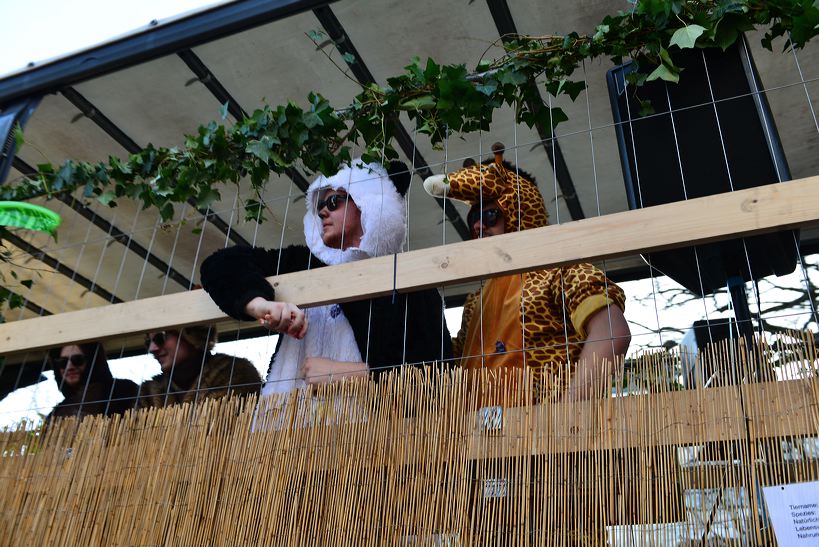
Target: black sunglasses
x: 331, y: 202
x: 158, y: 339
x: 78, y: 359
x: 489, y: 217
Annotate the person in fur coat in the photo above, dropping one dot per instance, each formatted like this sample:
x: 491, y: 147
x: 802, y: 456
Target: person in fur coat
x: 191, y: 372
x: 84, y: 378
x: 358, y: 213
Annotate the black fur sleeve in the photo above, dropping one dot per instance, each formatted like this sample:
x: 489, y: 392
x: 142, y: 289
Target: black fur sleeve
x: 409, y: 330
x: 236, y: 275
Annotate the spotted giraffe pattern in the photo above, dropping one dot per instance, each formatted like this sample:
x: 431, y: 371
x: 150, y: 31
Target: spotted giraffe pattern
x: 556, y: 303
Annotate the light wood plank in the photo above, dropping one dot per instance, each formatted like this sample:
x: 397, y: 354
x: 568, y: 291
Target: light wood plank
x: 668, y: 419
x: 746, y: 212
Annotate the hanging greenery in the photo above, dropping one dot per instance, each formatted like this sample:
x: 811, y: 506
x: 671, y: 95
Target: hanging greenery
x: 439, y: 99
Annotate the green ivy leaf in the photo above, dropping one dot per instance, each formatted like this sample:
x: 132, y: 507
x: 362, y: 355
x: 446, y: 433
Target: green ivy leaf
x: 19, y: 138
x: 686, y: 37
x: 424, y: 102
x: 349, y: 58
x: 224, y: 110
x: 107, y: 198
x: 487, y: 88
x: 658, y: 10
x: 646, y: 108
x: 254, y: 211
x: 16, y: 301
x: 636, y: 78
x: 166, y: 211
x: 414, y: 69
x: 805, y: 25
x: 483, y: 65
x: 258, y: 149
x: 278, y: 160
x: 512, y: 77
x: 164, y: 191
x: 208, y: 196
x: 570, y: 88
x: 667, y: 60
x: 663, y: 73
x: 555, y: 87
x: 557, y: 116
x: 311, y: 120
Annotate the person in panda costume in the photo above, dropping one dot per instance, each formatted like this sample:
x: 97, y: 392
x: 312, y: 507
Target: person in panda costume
x: 358, y: 213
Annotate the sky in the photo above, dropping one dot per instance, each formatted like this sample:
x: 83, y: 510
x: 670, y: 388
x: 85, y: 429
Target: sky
x: 42, y: 30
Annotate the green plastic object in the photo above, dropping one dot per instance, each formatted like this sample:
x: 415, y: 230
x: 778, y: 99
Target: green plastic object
x: 27, y: 215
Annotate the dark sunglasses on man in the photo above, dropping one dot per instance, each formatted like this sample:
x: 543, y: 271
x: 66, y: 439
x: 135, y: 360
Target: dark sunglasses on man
x: 489, y: 217
x: 332, y: 202
x: 78, y: 359
x: 157, y: 338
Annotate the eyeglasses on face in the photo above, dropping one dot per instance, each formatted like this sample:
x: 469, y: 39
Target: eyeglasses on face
x: 331, y: 202
x: 488, y: 218
x: 157, y: 338
x: 78, y: 359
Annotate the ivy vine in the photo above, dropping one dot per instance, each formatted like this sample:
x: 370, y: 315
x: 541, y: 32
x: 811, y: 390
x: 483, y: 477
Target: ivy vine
x: 439, y: 99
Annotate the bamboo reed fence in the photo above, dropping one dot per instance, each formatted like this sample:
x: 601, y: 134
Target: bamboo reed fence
x: 413, y: 460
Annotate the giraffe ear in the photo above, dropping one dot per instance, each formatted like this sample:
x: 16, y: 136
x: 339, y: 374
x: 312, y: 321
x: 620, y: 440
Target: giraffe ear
x: 400, y: 176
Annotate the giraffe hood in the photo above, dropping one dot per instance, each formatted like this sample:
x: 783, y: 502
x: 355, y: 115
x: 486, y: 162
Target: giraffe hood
x: 514, y: 190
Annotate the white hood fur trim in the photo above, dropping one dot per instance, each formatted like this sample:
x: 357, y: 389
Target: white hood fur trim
x: 383, y: 213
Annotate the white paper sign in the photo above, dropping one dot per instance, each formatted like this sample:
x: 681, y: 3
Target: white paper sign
x: 794, y: 512
x: 490, y: 418
x: 495, y: 488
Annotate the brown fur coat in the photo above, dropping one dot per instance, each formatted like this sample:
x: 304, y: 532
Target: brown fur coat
x: 221, y: 375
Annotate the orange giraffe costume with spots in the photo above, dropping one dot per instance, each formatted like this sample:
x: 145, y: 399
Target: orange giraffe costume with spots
x: 535, y: 319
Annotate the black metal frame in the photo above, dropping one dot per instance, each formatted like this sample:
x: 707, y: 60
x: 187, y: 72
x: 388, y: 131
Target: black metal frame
x: 506, y: 27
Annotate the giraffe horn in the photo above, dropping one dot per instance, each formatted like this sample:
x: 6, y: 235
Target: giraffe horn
x: 498, y: 149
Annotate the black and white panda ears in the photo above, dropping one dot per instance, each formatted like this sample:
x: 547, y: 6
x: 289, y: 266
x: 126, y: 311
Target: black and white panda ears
x: 399, y: 175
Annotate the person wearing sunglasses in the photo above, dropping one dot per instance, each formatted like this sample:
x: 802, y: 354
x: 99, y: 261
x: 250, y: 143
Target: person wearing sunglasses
x: 191, y: 372
x: 84, y: 378
x: 562, y: 322
x: 359, y: 212
x: 485, y: 221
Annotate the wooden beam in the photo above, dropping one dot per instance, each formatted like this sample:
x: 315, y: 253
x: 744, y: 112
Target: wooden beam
x: 667, y: 419
x: 745, y: 212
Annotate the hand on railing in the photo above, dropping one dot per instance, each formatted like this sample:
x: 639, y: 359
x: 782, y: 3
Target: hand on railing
x: 282, y: 317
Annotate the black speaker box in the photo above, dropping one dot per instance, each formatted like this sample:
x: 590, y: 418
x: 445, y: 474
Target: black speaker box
x: 694, y: 146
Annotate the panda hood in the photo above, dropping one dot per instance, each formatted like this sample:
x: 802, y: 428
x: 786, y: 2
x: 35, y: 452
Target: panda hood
x: 379, y: 195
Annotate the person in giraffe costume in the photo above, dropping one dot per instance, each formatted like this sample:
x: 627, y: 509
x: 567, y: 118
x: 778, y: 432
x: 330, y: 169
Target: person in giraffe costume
x: 542, y: 319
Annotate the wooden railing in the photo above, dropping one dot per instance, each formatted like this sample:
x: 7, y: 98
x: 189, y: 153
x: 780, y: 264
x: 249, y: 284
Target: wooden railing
x: 741, y: 213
